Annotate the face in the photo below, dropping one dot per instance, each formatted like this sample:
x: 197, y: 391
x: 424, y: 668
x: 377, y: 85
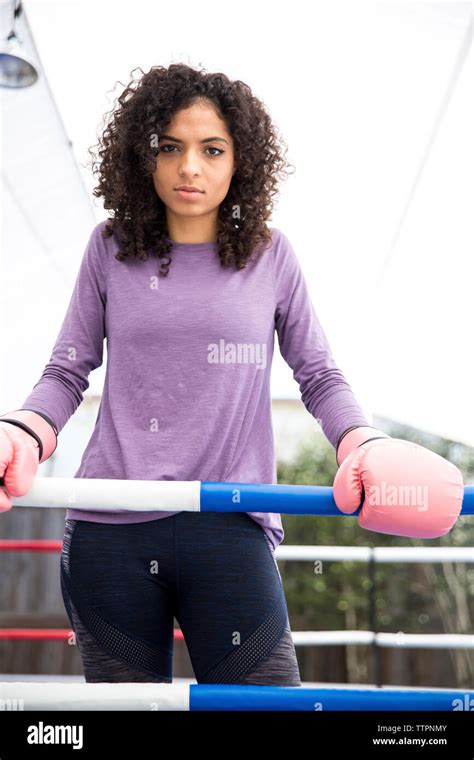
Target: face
x: 187, y: 156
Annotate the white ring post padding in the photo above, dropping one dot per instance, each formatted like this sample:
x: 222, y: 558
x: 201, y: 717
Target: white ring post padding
x: 44, y: 695
x: 102, y: 495
x: 393, y: 640
x: 379, y: 553
x: 331, y: 638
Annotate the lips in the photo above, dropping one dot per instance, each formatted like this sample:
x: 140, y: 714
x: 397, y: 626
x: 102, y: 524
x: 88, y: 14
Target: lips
x: 190, y: 196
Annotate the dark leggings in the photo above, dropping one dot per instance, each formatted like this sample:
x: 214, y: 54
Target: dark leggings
x: 215, y: 572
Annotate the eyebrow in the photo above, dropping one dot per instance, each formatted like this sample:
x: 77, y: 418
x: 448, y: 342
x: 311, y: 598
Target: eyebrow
x: 206, y: 139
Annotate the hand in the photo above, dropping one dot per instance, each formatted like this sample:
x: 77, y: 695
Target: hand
x: 27, y: 438
x: 18, y: 463
x: 406, y: 489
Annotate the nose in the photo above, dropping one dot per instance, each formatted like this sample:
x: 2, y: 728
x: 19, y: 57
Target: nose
x: 189, y: 165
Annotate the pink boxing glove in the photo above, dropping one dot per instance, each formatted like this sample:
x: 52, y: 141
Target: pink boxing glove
x: 26, y: 439
x: 408, y: 490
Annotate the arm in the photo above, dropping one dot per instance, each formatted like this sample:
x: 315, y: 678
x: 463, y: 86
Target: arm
x: 28, y: 436
x: 304, y: 346
x: 79, y: 346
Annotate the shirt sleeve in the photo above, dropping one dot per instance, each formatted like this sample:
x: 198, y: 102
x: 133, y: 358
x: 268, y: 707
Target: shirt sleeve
x: 79, y: 346
x: 325, y: 392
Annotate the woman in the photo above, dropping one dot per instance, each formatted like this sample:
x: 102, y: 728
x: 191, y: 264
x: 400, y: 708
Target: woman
x: 189, y: 164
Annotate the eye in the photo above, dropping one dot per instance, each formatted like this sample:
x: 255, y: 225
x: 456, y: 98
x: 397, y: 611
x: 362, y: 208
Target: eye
x: 213, y: 155
x: 219, y: 151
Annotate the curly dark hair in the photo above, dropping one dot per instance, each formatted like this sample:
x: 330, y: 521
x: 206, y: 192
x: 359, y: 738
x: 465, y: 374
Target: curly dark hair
x: 127, y: 160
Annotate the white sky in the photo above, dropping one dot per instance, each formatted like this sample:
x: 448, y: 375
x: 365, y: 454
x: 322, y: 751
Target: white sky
x: 356, y: 89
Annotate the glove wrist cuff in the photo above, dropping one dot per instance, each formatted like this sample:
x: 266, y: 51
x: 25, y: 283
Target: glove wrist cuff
x: 355, y: 437
x: 38, y: 427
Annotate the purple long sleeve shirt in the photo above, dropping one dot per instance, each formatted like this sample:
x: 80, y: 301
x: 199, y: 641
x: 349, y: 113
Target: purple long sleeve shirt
x: 187, y: 386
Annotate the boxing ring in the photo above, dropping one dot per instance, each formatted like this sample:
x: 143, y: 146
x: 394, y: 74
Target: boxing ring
x: 129, y: 496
